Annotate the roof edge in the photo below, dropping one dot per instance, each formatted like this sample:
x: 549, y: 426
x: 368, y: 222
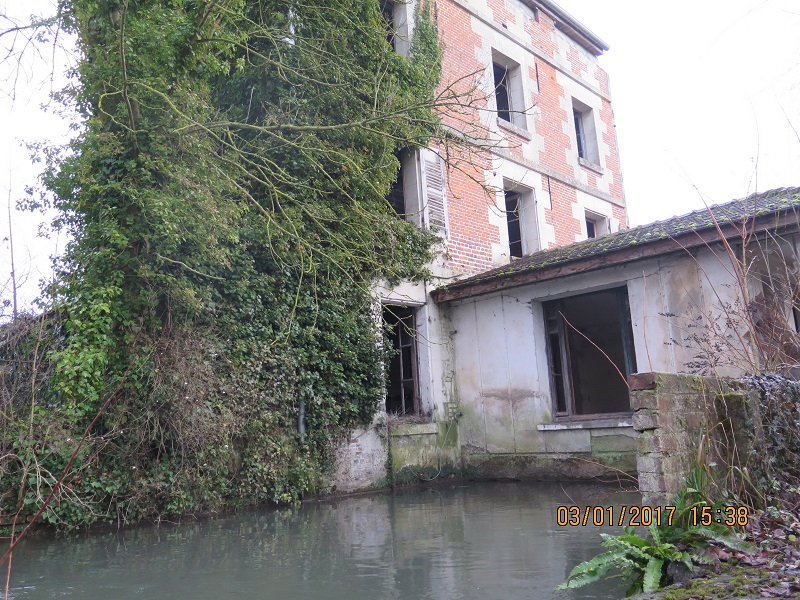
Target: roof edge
x: 588, y: 39
x: 684, y: 242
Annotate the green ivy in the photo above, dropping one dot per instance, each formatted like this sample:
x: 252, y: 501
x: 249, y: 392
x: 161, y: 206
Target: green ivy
x: 225, y: 202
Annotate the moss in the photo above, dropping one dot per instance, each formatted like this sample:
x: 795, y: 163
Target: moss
x: 734, y: 581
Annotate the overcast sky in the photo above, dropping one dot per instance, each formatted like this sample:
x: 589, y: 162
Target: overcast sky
x: 706, y: 95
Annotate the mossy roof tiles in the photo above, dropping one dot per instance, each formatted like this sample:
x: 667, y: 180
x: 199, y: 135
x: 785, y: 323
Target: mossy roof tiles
x: 738, y: 211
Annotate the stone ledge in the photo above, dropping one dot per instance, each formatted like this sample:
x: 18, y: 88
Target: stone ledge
x: 618, y: 422
x: 401, y: 429
x: 587, y: 164
x: 515, y: 129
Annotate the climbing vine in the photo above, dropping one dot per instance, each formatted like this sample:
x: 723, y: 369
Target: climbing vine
x: 225, y: 202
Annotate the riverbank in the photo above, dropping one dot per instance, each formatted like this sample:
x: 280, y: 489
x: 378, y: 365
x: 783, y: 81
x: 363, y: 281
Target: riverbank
x: 771, y: 571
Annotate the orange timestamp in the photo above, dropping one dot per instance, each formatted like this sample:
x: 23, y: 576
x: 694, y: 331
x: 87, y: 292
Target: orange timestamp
x: 629, y: 516
x: 635, y: 516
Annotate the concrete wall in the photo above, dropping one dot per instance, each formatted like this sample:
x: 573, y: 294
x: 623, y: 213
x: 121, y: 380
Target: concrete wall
x: 395, y: 453
x: 678, y: 304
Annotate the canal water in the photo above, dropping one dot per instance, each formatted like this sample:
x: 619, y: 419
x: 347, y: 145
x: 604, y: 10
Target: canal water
x: 473, y: 541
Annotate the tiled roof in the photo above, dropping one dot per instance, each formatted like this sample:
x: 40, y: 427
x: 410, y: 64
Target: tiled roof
x: 738, y: 211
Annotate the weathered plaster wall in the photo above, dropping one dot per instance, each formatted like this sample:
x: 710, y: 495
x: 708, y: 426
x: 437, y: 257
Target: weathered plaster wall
x: 502, y: 376
x: 397, y: 453
x: 360, y: 460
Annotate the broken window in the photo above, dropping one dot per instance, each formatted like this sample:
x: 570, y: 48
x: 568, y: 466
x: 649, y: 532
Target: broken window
x: 596, y: 225
x: 585, y: 132
x: 591, y: 228
x: 501, y: 94
x: 508, y: 94
x: 401, y: 385
x: 590, y: 352
x: 513, y: 200
x: 396, y: 197
x: 387, y: 10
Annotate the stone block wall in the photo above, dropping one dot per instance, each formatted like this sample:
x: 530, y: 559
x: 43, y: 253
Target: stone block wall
x: 685, y: 421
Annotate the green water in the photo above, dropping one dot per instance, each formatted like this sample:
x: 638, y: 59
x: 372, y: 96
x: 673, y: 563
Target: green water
x: 477, y: 541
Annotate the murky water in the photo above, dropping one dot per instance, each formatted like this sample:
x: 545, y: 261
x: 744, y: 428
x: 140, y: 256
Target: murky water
x: 477, y: 541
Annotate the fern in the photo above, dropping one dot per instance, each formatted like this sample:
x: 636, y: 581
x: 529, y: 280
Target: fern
x: 652, y: 575
x: 590, y: 571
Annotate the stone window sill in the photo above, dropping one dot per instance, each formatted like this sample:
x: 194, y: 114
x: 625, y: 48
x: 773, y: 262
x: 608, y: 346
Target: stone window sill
x: 591, y: 166
x: 401, y: 429
x: 523, y: 133
x: 623, y: 421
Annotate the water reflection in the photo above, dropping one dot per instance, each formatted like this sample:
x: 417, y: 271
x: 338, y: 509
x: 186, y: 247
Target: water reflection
x: 480, y: 541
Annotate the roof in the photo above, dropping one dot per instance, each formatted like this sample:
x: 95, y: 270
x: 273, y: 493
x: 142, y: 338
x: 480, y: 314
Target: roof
x: 767, y: 210
x: 571, y: 26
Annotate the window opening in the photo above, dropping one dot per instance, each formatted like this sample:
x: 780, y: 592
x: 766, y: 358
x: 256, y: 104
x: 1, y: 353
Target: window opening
x: 585, y: 132
x: 396, y: 197
x: 513, y: 200
x: 590, y: 341
x: 401, y: 385
x: 591, y: 229
x: 387, y: 9
x: 501, y: 92
x: 580, y: 135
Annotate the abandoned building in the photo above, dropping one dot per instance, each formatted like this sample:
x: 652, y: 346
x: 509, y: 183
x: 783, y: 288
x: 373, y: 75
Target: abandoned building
x: 513, y: 359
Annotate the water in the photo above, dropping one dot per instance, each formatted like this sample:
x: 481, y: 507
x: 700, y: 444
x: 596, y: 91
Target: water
x: 477, y: 541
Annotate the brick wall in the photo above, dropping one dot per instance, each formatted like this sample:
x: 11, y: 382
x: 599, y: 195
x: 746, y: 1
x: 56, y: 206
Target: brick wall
x: 467, y: 41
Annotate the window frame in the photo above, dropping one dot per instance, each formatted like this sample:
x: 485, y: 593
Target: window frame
x: 409, y: 334
x: 585, y: 128
x: 562, y: 393
x: 512, y: 96
x: 514, y: 223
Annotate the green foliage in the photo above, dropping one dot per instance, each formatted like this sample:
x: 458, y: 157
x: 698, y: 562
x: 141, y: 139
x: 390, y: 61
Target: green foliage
x: 225, y: 202
x: 778, y: 454
x: 642, y: 562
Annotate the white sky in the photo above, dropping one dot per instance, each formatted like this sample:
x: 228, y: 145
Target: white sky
x: 706, y: 95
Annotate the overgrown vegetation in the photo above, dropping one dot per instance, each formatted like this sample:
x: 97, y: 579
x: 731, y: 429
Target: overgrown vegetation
x: 225, y: 203
x: 644, y: 562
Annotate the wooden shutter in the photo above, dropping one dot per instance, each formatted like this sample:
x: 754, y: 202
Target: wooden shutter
x: 435, y: 190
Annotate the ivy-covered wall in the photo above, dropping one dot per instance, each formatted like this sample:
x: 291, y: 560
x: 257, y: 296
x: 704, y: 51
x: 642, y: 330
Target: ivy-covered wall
x: 224, y: 198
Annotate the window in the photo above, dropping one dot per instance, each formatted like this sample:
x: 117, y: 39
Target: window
x: 513, y: 202
x: 398, y: 28
x: 508, y: 94
x: 591, y: 228
x: 519, y: 210
x: 387, y: 10
x: 596, y: 224
x: 501, y: 94
x: 401, y: 386
x: 585, y: 132
x: 590, y: 352
x: 396, y: 197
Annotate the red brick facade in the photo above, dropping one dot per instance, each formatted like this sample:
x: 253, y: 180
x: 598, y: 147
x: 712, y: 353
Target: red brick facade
x: 555, y: 74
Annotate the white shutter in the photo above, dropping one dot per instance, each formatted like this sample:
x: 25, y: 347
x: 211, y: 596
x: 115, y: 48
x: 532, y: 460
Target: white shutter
x: 435, y: 192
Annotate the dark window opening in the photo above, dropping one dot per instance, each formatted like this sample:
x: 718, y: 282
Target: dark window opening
x: 513, y: 200
x: 387, y: 9
x: 396, y: 197
x: 580, y: 134
x: 591, y: 229
x: 501, y: 92
x: 590, y: 353
x: 401, y: 385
